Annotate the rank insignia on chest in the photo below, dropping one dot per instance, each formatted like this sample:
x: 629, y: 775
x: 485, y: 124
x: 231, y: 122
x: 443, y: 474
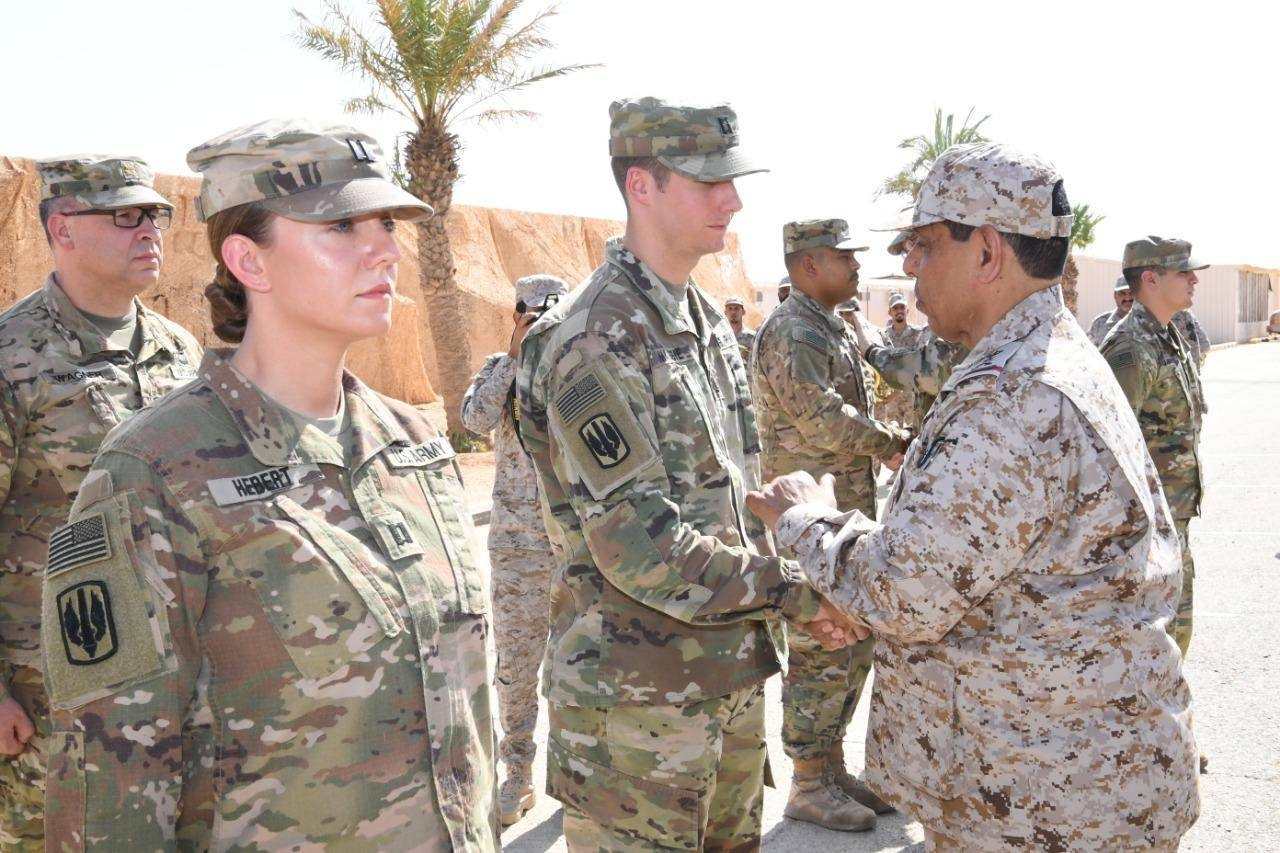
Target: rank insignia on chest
x: 87, y: 622
x: 604, y: 440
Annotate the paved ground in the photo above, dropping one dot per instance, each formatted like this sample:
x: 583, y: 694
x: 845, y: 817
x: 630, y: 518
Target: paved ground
x: 1233, y: 666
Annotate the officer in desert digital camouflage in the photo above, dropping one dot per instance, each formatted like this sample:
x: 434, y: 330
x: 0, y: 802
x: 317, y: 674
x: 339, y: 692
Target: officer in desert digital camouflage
x: 1158, y: 372
x: 1107, y: 320
x: 264, y: 626
x: 1026, y: 566
x: 77, y: 357
x: 636, y: 409
x: 813, y: 404
x: 519, y: 553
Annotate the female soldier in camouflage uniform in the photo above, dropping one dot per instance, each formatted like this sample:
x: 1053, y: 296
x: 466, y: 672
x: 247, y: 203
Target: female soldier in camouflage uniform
x: 265, y: 627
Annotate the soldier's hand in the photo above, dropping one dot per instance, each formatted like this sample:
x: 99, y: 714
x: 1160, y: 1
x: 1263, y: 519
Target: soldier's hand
x: 777, y: 496
x: 15, y: 727
x: 833, y: 629
x: 867, y: 335
x: 518, y: 333
x: 894, y: 462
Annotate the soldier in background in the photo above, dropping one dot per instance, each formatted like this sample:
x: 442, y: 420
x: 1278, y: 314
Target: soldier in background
x: 1158, y: 373
x: 900, y: 405
x: 1019, y: 584
x: 264, y: 626
x: 814, y: 404
x: 1193, y: 334
x: 79, y: 355
x: 734, y: 311
x: 1107, y: 320
x: 520, y: 555
x: 636, y: 409
x: 784, y: 289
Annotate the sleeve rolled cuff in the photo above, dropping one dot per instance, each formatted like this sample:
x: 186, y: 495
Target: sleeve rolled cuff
x: 795, y: 521
x: 800, y: 603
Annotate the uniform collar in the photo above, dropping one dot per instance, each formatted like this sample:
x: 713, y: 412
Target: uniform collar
x: 806, y: 304
x: 87, y: 340
x: 273, y: 434
x: 654, y: 290
x: 1147, y: 322
x: 1016, y: 325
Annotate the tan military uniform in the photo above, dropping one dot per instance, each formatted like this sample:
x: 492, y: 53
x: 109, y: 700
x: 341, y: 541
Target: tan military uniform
x: 1101, y: 325
x: 746, y: 338
x: 261, y: 637
x: 520, y: 557
x: 1026, y: 694
x: 63, y: 386
x: 635, y: 407
x: 813, y: 407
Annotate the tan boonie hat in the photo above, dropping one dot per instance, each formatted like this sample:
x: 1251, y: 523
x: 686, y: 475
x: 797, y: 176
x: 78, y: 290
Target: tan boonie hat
x: 899, y: 244
x: 1121, y: 284
x: 700, y: 143
x: 533, y: 290
x: 101, y: 182
x: 299, y: 169
x: 1153, y: 251
x: 808, y: 233
x: 735, y: 300
x: 897, y: 299
x: 993, y: 184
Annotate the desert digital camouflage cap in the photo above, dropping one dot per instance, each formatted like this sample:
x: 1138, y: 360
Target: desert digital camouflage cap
x: 735, y: 300
x: 993, y: 184
x: 533, y: 290
x: 897, y: 299
x: 299, y: 169
x: 700, y: 143
x: 809, y: 233
x: 99, y: 181
x: 1121, y: 284
x: 1168, y: 252
x: 898, y: 246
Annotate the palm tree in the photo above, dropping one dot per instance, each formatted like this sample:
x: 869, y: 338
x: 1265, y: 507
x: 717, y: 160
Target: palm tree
x: 1082, y: 236
x: 436, y: 63
x: 928, y: 148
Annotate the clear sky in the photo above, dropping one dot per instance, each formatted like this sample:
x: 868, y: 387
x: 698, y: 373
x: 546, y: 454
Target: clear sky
x: 1162, y: 116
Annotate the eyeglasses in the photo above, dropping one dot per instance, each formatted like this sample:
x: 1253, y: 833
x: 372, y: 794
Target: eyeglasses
x: 131, y: 217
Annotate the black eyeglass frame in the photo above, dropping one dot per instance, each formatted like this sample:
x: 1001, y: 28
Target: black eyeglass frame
x: 155, y: 214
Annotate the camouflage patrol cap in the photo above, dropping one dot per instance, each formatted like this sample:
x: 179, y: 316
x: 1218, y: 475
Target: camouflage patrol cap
x: 1121, y: 284
x: 299, y: 169
x: 101, y: 182
x: 785, y: 282
x: 897, y: 299
x: 850, y: 304
x: 898, y: 246
x: 700, y: 143
x: 735, y: 300
x: 533, y: 290
x: 1170, y: 253
x: 808, y: 233
x: 992, y: 184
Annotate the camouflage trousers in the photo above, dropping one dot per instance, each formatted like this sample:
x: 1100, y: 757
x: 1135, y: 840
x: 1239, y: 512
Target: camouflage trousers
x: 937, y: 843
x: 1180, y: 627
x: 820, y: 692
x: 660, y: 777
x: 900, y: 407
x: 521, y: 580
x: 22, y: 775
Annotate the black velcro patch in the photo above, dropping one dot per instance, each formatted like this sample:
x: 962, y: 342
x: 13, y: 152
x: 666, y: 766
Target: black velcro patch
x: 78, y: 544
x: 88, y: 623
x: 578, y: 397
x: 604, y: 440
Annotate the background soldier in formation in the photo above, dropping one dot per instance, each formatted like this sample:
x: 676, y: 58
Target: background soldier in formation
x: 1026, y: 694
x: 264, y: 624
x: 734, y: 311
x: 1107, y: 320
x: 900, y: 405
x: 77, y: 357
x: 1161, y: 381
x: 814, y: 403
x: 635, y: 406
x: 520, y: 555
x: 1193, y: 334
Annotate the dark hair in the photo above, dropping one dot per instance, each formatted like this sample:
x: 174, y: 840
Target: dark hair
x: 620, y: 165
x: 228, y: 307
x: 1133, y: 275
x: 50, y: 206
x: 1039, y: 257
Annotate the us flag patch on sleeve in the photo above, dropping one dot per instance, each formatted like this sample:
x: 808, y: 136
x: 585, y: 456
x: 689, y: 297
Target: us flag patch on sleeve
x: 578, y: 397
x: 78, y: 544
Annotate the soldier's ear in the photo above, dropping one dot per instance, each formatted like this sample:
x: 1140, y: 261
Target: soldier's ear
x: 60, y: 232
x: 989, y: 249
x: 243, y: 258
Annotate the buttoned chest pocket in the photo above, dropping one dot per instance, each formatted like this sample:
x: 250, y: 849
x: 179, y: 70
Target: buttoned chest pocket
x: 319, y: 588
x: 75, y: 412
x: 692, y: 437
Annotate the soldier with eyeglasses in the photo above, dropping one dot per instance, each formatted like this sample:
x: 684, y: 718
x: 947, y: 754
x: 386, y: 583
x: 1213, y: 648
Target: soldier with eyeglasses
x: 77, y: 357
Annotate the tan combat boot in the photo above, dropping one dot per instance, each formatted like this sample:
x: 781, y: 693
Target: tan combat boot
x: 815, y: 798
x: 852, y: 785
x: 516, y: 795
